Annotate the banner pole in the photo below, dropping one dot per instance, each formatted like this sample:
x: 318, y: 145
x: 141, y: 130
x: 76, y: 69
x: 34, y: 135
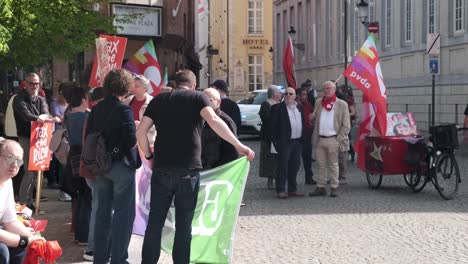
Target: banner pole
x: 38, y: 191
x: 339, y: 78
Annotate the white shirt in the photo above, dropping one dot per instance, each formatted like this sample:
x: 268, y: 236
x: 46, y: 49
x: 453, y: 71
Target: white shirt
x: 295, y: 120
x: 327, y: 128
x: 7, y: 204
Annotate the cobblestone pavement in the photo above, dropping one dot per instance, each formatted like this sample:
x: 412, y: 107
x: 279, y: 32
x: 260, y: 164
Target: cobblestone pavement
x: 388, y: 225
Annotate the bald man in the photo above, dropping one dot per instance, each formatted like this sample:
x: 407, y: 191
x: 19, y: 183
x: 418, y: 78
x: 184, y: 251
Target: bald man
x: 215, y: 150
x: 330, y: 137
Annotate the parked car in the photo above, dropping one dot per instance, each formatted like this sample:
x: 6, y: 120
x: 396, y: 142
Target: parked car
x: 249, y: 108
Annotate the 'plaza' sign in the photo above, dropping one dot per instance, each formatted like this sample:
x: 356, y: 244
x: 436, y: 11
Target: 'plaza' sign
x: 137, y: 20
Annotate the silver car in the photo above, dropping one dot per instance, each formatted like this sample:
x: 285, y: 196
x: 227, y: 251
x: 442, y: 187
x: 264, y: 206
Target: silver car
x: 249, y: 108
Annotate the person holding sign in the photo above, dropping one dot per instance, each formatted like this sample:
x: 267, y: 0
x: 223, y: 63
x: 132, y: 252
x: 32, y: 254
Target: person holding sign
x: 15, y: 237
x: 29, y: 106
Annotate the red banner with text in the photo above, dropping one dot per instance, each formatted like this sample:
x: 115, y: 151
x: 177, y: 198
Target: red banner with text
x: 110, y: 51
x: 39, y: 152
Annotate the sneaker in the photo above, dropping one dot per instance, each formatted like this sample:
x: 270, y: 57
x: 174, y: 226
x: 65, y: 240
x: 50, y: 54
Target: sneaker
x: 64, y: 197
x: 88, y: 255
x: 333, y: 192
x: 282, y: 195
x: 319, y: 191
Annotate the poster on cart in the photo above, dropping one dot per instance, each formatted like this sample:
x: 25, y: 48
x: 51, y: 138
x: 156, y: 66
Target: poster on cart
x: 401, y: 124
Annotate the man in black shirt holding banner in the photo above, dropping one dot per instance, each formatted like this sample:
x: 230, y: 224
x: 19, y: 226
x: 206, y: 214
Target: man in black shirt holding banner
x: 178, y: 117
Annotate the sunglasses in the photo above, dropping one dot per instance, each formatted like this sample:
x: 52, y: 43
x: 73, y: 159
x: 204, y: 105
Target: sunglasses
x: 289, y: 94
x: 33, y: 83
x: 12, y: 159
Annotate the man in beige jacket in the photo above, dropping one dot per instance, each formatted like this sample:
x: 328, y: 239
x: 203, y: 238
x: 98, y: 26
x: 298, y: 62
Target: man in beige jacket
x: 332, y: 125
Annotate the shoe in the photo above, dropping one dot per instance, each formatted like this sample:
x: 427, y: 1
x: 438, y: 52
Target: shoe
x: 88, y: 255
x: 282, y: 195
x: 270, y: 184
x: 311, y: 182
x: 64, y: 197
x: 295, y: 194
x: 333, y: 192
x: 319, y: 191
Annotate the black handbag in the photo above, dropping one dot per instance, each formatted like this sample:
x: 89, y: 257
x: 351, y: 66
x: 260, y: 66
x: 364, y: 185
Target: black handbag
x: 132, y: 159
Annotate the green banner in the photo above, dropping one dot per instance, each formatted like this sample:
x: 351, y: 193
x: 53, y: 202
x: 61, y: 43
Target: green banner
x: 219, y: 199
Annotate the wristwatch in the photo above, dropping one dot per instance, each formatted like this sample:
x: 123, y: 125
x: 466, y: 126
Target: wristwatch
x: 150, y: 157
x: 23, y: 242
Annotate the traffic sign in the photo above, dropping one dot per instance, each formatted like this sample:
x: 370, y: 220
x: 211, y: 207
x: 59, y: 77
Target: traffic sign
x: 373, y: 27
x: 433, y: 44
x: 434, y: 64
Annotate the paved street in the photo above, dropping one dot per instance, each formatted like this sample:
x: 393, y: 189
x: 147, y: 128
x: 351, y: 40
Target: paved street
x: 389, y: 225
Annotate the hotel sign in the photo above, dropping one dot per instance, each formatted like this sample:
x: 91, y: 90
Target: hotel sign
x: 256, y: 43
x: 137, y: 20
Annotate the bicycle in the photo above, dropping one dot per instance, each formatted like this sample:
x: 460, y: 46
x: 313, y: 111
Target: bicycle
x: 437, y: 163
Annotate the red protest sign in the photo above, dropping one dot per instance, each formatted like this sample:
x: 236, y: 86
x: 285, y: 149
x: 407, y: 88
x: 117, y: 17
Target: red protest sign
x: 115, y: 54
x: 39, y: 153
x: 39, y: 225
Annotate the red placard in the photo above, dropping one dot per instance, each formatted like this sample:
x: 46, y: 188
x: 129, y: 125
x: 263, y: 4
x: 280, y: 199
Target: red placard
x: 116, y: 51
x: 39, y: 225
x: 39, y: 153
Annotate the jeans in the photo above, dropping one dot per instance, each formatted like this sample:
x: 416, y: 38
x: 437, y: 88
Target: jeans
x: 289, y: 161
x: 11, y: 255
x: 82, y: 214
x: 115, y: 192
x: 94, y: 203
x: 182, y: 185
x: 29, y: 177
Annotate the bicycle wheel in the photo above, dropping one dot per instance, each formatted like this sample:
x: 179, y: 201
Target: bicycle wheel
x: 415, y: 180
x: 374, y: 180
x: 447, y: 176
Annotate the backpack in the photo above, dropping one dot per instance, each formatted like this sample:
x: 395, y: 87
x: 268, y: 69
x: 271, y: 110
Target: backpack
x: 96, y: 159
x: 60, y: 146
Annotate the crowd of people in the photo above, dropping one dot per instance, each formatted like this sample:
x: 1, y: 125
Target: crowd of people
x: 195, y: 131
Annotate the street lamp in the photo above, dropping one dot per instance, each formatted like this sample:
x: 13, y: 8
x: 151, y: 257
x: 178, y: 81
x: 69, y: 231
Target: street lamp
x: 363, y: 8
x: 299, y: 46
x: 271, y: 53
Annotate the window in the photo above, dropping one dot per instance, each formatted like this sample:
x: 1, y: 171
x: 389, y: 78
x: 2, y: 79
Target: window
x: 408, y: 21
x: 255, y: 17
x: 357, y: 25
x: 388, y: 23
x: 459, y: 16
x: 431, y: 16
x: 255, y: 72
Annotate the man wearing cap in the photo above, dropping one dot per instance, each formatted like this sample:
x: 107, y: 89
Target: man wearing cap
x: 228, y: 106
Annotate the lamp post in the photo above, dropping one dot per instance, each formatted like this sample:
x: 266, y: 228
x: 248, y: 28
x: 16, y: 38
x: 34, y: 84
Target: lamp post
x: 292, y: 33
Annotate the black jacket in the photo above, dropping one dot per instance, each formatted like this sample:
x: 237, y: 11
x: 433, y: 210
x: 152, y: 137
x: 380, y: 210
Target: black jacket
x: 25, y: 110
x: 215, y: 150
x: 265, y: 116
x: 281, y: 126
x: 231, y: 108
x: 115, y: 120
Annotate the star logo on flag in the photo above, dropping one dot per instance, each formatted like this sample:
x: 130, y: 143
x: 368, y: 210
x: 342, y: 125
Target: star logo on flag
x: 376, y: 153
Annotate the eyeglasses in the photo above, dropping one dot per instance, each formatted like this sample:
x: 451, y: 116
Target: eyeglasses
x: 291, y: 94
x: 33, y: 83
x: 12, y: 159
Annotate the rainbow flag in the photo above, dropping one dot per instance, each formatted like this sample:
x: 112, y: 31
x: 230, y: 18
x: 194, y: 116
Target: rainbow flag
x: 365, y: 72
x: 145, y: 62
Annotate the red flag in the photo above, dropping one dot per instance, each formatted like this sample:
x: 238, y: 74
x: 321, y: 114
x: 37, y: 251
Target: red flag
x: 288, y: 63
x: 115, y: 54
x: 365, y: 72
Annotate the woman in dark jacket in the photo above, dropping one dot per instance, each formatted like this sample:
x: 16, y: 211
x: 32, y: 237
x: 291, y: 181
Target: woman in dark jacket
x: 268, y: 163
x: 115, y: 190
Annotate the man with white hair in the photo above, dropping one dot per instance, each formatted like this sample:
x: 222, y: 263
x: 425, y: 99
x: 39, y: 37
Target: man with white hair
x: 330, y: 137
x: 15, y: 237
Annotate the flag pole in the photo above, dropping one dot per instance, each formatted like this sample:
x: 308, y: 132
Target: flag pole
x: 339, y: 78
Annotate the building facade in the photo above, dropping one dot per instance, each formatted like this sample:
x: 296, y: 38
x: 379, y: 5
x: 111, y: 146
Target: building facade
x: 330, y: 36
x: 240, y: 44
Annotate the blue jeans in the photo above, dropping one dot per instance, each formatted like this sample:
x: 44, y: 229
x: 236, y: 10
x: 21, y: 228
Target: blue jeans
x: 94, y: 203
x: 289, y: 160
x: 11, y: 255
x: 115, y: 192
x: 82, y: 214
x: 166, y: 184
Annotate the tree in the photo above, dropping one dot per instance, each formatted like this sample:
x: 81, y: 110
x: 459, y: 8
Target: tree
x: 32, y: 32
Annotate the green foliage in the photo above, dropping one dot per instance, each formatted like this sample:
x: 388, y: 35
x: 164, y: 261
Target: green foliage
x: 33, y: 31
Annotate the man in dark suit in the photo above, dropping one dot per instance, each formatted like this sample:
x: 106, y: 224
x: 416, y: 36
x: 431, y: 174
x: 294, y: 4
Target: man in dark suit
x: 228, y: 106
x: 287, y: 136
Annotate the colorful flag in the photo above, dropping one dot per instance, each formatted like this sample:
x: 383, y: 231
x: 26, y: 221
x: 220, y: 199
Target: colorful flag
x: 365, y: 72
x: 288, y: 64
x: 145, y: 62
x: 218, y: 204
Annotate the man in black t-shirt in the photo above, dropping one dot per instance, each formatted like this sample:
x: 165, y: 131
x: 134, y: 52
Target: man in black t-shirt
x: 178, y: 117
